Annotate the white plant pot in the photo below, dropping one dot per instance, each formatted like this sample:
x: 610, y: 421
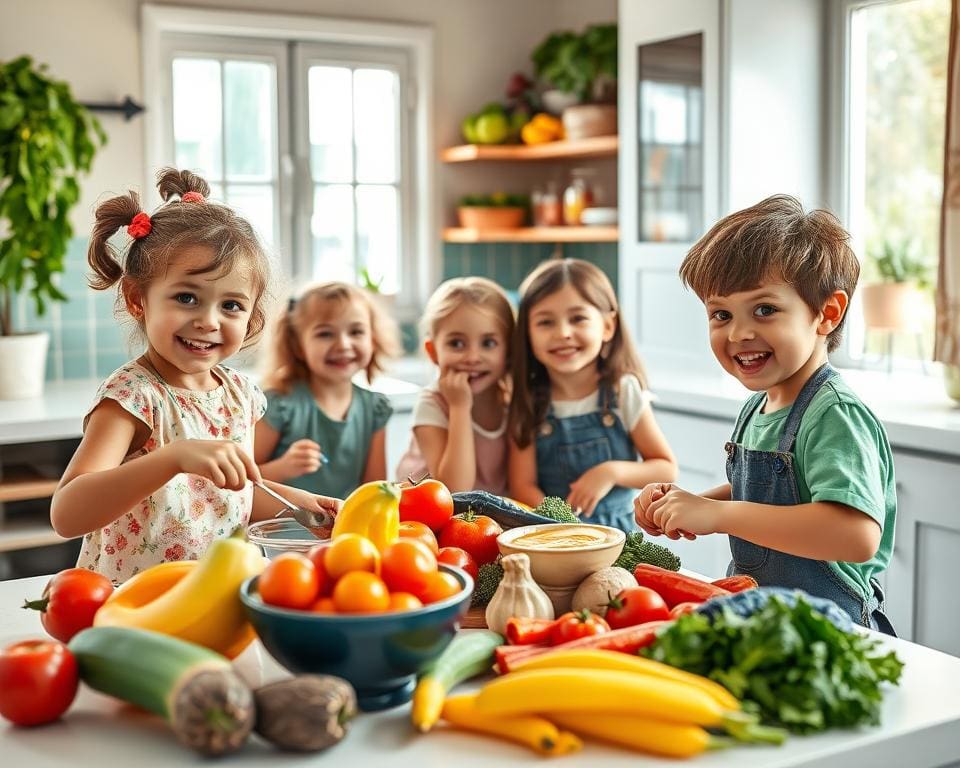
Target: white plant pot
x: 555, y: 101
x: 892, y: 306
x: 24, y: 363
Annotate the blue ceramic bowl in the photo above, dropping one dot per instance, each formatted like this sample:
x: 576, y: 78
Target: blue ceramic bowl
x: 380, y: 654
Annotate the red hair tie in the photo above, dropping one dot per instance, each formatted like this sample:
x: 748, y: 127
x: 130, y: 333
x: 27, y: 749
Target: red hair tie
x: 192, y: 197
x: 139, y: 226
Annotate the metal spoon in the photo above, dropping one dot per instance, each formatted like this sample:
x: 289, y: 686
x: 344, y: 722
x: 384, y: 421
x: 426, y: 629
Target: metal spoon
x: 320, y: 524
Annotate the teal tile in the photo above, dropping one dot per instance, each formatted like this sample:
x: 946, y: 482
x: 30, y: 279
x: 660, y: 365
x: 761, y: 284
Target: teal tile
x: 78, y: 365
x: 76, y: 309
x: 109, y: 336
x: 108, y: 362
x: 75, y: 337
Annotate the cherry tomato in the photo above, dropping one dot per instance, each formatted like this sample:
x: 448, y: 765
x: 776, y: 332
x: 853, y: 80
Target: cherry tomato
x: 476, y: 534
x: 411, y: 529
x: 351, y: 552
x: 428, y: 502
x: 323, y: 605
x: 636, y: 605
x: 460, y: 558
x: 317, y: 555
x: 440, y: 586
x: 70, y: 600
x: 290, y: 581
x: 408, y: 566
x: 38, y: 680
x: 361, y: 592
x: 404, y: 601
x: 577, y: 624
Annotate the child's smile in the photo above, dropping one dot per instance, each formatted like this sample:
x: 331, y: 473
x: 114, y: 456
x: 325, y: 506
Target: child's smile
x: 338, y: 344
x: 471, y: 340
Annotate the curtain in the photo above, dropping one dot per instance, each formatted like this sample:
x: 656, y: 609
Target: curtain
x: 947, y: 345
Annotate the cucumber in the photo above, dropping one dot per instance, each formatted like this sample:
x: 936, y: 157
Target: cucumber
x: 209, y: 707
x: 469, y: 654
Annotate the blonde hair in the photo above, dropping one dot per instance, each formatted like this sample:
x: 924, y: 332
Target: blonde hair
x: 284, y: 363
x: 531, y: 396
x: 475, y: 291
x: 176, y: 225
x: 775, y: 239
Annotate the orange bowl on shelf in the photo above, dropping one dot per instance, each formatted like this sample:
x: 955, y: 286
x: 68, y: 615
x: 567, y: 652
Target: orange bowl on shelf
x: 491, y: 217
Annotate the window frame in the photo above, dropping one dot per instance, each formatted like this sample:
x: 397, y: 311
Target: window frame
x: 244, y: 31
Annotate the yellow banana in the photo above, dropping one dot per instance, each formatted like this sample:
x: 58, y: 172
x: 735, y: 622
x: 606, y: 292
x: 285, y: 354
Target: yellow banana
x: 530, y: 730
x: 641, y: 733
x: 201, y: 601
x: 599, y: 659
x: 372, y: 510
x: 598, y: 690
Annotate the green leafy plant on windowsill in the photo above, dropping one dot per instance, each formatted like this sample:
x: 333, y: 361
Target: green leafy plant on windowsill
x: 897, y: 261
x: 584, y: 64
x: 47, y: 139
x: 368, y: 283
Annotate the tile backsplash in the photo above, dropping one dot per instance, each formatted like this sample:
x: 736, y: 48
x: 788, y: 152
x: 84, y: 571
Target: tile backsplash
x: 88, y: 340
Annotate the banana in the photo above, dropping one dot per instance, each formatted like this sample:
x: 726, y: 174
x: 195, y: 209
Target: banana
x: 200, y: 603
x: 373, y: 511
x: 598, y: 690
x: 599, y: 659
x: 640, y: 733
x: 535, y: 732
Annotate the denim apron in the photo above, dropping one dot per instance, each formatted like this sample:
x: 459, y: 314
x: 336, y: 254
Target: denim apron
x: 568, y: 447
x: 767, y: 477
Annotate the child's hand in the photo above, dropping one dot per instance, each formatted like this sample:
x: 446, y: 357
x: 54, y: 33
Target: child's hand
x: 455, y: 388
x: 221, y: 461
x: 681, y: 513
x: 312, y: 501
x: 301, y: 458
x: 641, y: 506
x: 589, y: 489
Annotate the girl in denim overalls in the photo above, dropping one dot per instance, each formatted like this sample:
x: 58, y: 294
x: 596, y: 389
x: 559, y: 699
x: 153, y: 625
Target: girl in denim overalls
x: 811, y: 500
x: 580, y: 411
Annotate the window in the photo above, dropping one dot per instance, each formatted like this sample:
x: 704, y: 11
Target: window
x: 309, y: 130
x: 895, y: 102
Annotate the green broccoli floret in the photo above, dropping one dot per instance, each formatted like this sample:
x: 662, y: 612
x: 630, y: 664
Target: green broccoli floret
x: 488, y: 579
x: 556, y: 509
x: 636, y: 551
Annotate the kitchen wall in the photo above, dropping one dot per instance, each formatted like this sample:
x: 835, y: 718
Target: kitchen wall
x: 95, y: 46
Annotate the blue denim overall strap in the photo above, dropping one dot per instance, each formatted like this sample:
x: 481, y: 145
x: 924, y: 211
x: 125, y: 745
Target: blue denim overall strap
x: 768, y: 477
x: 568, y: 447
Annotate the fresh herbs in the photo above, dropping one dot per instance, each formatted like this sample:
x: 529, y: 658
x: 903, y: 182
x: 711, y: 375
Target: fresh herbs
x: 786, y: 662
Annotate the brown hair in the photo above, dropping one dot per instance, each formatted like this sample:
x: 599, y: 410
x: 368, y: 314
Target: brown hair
x: 476, y: 291
x: 531, y: 396
x: 284, y: 363
x: 175, y: 225
x: 771, y: 240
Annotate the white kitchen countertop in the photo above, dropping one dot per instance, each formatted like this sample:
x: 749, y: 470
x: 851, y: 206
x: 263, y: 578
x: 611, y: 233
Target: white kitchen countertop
x: 920, y: 728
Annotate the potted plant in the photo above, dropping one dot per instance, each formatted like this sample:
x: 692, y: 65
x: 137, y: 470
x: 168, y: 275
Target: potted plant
x: 892, y: 303
x: 583, y: 69
x: 497, y: 211
x: 46, y: 140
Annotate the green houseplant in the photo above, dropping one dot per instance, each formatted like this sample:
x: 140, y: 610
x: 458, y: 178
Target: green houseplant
x: 891, y: 301
x: 46, y: 140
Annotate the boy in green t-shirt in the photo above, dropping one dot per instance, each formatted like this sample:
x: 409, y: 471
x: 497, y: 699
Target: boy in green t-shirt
x: 776, y: 282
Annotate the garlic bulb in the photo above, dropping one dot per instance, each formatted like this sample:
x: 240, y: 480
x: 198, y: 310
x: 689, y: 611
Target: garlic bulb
x: 518, y: 595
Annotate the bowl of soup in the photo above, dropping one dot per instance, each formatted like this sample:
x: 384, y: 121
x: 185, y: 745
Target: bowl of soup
x: 563, y: 554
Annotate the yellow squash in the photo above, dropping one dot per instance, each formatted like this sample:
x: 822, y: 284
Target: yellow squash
x: 373, y: 511
x: 198, y: 601
x: 652, y: 736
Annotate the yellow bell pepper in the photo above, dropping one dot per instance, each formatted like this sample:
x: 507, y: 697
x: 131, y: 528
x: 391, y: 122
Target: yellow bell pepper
x: 373, y: 511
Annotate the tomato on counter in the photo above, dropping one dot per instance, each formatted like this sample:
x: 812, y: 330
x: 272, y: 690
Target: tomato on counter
x: 70, y: 600
x: 636, y: 605
x: 475, y: 534
x: 577, y: 624
x: 459, y: 558
x: 428, y: 502
x: 38, y: 681
x: 411, y: 529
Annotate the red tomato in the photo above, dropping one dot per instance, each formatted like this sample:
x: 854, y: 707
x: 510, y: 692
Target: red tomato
x: 636, y: 605
x: 407, y: 566
x: 411, y: 529
x: 316, y: 556
x: 460, y: 558
x: 441, y: 586
x: 681, y: 609
x: 290, y: 581
x: 70, y: 600
x: 475, y: 534
x: 576, y: 624
x: 38, y: 680
x: 428, y: 502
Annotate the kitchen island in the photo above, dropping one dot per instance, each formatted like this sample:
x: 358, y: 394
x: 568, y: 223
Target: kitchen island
x: 920, y: 728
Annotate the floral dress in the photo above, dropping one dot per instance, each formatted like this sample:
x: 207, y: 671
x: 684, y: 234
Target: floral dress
x: 180, y: 519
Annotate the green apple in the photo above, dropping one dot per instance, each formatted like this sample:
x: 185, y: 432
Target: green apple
x: 469, y: 129
x: 492, y: 128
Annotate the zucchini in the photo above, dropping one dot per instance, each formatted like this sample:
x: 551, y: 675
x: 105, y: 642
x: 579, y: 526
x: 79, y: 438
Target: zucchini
x: 469, y: 654
x: 208, y: 706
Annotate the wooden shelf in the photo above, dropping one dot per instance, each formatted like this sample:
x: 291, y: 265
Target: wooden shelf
x: 596, y: 146
x: 23, y: 535
x: 532, y: 235
x: 21, y: 483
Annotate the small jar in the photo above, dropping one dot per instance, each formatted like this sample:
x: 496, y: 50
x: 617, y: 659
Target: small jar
x: 547, y: 207
x: 577, y: 196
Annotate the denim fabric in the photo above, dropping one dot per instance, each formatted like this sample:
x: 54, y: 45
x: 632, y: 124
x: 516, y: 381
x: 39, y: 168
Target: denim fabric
x: 767, y: 477
x: 568, y: 447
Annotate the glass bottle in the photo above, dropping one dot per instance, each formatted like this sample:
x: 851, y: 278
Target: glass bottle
x: 577, y: 196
